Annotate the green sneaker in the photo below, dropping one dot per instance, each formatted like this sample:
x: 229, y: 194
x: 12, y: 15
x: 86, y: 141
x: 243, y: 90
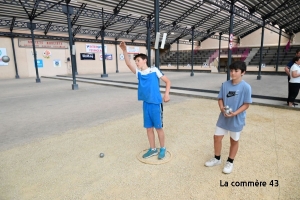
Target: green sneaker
x: 162, y: 153
x: 150, y: 153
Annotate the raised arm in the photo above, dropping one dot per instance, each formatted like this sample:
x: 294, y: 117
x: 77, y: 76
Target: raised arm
x: 127, y: 61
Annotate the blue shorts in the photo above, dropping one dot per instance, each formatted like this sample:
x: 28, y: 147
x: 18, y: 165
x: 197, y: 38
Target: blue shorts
x: 153, y: 115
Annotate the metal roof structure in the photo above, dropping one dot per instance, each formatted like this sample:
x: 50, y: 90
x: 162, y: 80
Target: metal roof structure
x: 127, y: 19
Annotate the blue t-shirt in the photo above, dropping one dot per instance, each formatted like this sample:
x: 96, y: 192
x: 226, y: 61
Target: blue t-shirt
x: 290, y: 64
x: 234, y: 96
x: 148, y: 85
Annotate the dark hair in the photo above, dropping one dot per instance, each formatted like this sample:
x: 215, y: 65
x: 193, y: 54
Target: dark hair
x: 140, y: 55
x: 297, y: 51
x: 238, y: 65
x: 296, y: 59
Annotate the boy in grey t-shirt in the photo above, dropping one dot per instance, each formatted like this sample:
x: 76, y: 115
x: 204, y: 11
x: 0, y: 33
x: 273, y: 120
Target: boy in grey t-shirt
x: 236, y: 94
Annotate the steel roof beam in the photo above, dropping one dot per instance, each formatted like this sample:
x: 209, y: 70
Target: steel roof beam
x: 75, y: 18
x: 12, y: 24
x: 259, y: 6
x: 117, y: 9
x: 244, y: 14
x: 282, y: 7
x: 214, y: 27
x: 188, y: 12
x: 161, y: 7
x: 135, y: 24
x: 47, y: 7
x: 120, y: 35
x: 207, y: 17
x: 76, y: 30
x: 23, y: 5
x: 47, y: 28
x: 291, y: 22
x: 136, y: 37
x: 23, y: 35
x: 206, y: 37
x: 250, y: 31
x: 36, y: 3
x: 226, y: 31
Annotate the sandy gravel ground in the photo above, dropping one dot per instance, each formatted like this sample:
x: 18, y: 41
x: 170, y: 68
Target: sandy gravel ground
x: 67, y: 165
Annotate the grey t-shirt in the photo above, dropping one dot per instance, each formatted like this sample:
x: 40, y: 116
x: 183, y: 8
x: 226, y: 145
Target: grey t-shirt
x: 234, y: 96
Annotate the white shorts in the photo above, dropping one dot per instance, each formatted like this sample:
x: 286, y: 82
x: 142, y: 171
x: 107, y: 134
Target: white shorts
x: 234, y: 135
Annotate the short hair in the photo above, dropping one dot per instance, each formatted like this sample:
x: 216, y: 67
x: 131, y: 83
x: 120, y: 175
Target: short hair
x: 297, y: 51
x: 296, y: 59
x: 140, y: 55
x: 238, y: 65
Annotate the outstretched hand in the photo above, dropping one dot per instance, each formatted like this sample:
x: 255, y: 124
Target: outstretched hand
x: 123, y: 46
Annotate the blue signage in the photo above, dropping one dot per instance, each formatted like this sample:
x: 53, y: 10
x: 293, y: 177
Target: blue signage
x: 40, y: 63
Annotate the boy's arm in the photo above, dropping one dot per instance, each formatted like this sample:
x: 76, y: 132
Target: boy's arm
x: 221, y: 105
x: 244, y: 107
x: 127, y: 61
x: 166, y: 97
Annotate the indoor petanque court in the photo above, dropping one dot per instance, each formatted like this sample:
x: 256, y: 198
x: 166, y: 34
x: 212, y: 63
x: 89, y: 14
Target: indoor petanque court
x: 71, y: 125
x: 51, y: 139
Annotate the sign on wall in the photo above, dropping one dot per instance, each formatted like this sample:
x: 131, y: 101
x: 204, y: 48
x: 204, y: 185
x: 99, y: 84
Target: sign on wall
x: 2, y: 53
x: 46, y: 54
x: 56, y: 63
x: 87, y: 56
x: 27, y: 43
x: 107, y: 56
x: 93, y: 48
x: 40, y: 63
x: 133, y: 50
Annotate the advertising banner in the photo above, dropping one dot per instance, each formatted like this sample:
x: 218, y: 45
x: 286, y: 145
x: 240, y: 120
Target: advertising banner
x: 87, y: 56
x: 95, y: 48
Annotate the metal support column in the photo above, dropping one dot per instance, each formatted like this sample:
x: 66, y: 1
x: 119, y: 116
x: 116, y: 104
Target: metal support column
x: 277, y: 58
x: 192, y: 57
x: 230, y: 32
x: 103, y: 55
x: 103, y: 49
x: 261, y: 49
x: 156, y: 9
x: 75, y: 61
x: 148, y: 41
x: 68, y: 10
x: 116, y: 45
x: 32, y: 26
x: 14, y: 52
x: 177, y: 54
x: 220, y: 35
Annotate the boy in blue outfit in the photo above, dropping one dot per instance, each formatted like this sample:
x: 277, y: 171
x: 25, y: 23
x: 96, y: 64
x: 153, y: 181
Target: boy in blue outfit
x: 149, y: 93
x: 236, y: 94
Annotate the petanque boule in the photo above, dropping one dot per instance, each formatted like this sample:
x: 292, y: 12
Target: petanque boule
x: 5, y: 59
x: 228, y: 110
x: 101, y: 155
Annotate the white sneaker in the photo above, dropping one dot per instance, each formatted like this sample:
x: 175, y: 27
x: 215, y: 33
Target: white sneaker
x: 213, y: 162
x: 228, y: 168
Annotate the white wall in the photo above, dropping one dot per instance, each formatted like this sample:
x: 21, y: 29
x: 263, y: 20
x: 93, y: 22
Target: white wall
x: 26, y: 67
x: 270, y: 39
x: 252, y: 40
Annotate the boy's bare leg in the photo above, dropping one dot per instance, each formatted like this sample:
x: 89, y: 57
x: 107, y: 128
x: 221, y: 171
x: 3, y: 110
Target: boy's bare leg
x: 234, y: 146
x: 218, y: 144
x: 161, y: 137
x: 151, y: 137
